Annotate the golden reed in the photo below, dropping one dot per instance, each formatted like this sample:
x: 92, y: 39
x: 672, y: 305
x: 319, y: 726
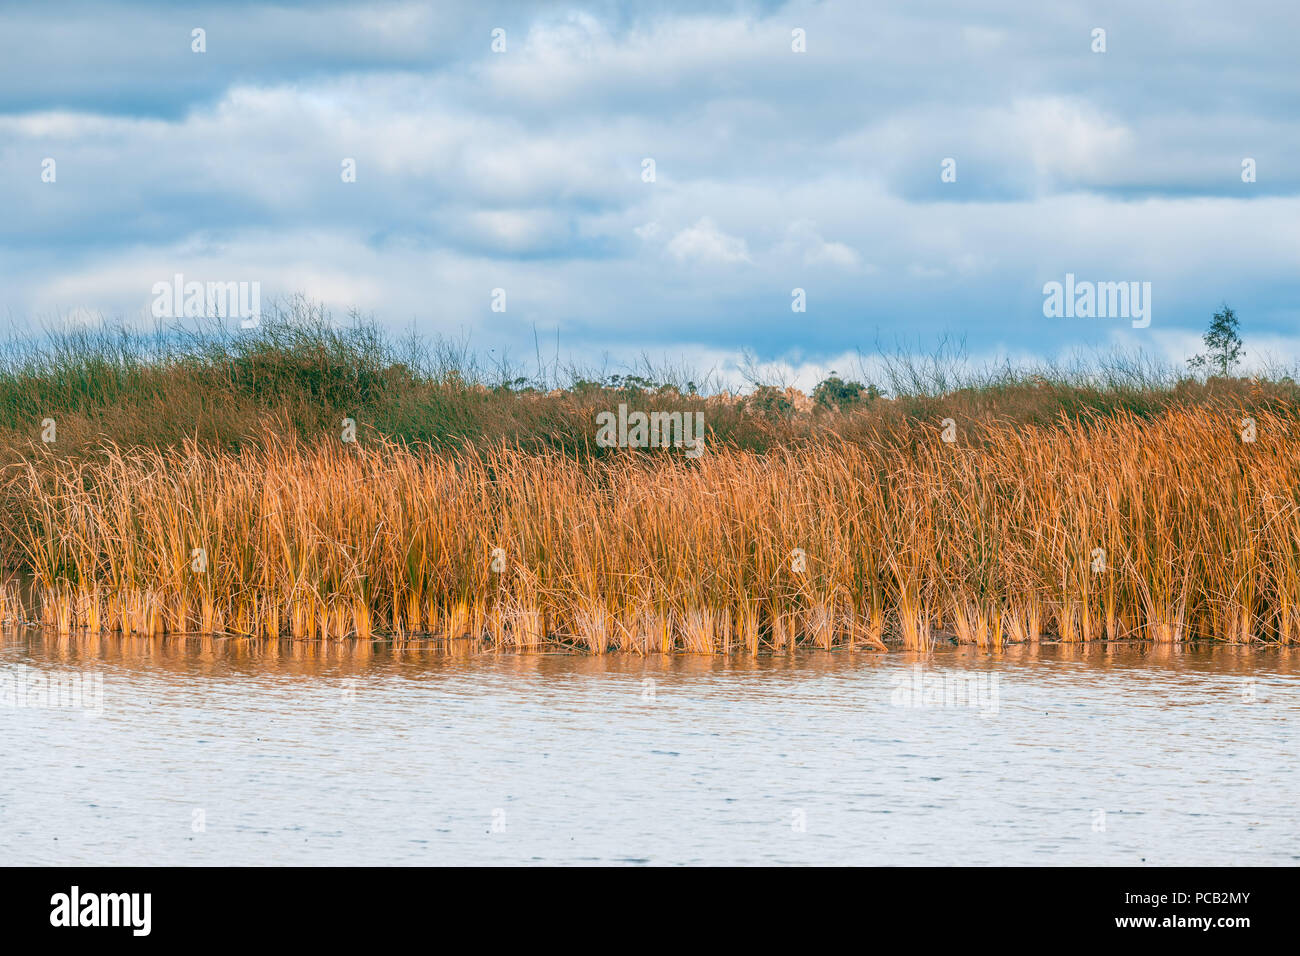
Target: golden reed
x: 1166, y: 529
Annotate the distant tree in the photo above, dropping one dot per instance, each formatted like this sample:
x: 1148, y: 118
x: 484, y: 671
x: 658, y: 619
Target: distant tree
x: 1222, y: 343
x: 770, y: 401
x: 514, y: 385
x: 631, y: 383
x: 618, y: 383
x: 833, y: 392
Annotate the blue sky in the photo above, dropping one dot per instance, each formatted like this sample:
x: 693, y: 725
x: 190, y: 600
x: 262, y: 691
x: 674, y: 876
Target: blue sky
x: 774, y: 169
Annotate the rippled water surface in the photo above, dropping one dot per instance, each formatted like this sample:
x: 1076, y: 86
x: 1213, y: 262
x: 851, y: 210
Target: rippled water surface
x: 235, y: 752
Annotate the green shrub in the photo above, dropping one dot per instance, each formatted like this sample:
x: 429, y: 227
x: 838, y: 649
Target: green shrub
x: 835, y: 393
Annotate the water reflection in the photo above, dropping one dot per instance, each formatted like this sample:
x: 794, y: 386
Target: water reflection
x: 196, y: 654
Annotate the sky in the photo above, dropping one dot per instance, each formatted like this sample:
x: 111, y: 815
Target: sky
x: 920, y: 170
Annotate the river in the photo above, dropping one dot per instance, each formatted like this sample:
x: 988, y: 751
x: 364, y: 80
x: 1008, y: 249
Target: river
x: 228, y: 751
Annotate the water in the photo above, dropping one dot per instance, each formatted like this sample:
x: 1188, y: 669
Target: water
x: 235, y: 752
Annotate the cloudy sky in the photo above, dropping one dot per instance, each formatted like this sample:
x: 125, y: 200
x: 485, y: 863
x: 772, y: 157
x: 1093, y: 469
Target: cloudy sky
x: 523, y: 169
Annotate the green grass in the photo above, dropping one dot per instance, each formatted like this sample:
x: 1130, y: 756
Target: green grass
x: 299, y: 374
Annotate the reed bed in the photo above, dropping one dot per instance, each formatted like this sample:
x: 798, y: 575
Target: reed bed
x: 1166, y: 529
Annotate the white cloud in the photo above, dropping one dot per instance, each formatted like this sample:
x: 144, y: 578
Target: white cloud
x: 1066, y: 139
x: 704, y: 242
x: 802, y: 240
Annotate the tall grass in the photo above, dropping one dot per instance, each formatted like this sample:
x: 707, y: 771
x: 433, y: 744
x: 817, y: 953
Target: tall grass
x: 1165, y: 527
x: 300, y: 372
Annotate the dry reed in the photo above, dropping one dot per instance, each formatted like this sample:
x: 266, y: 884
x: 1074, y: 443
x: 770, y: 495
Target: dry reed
x: 1165, y: 529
